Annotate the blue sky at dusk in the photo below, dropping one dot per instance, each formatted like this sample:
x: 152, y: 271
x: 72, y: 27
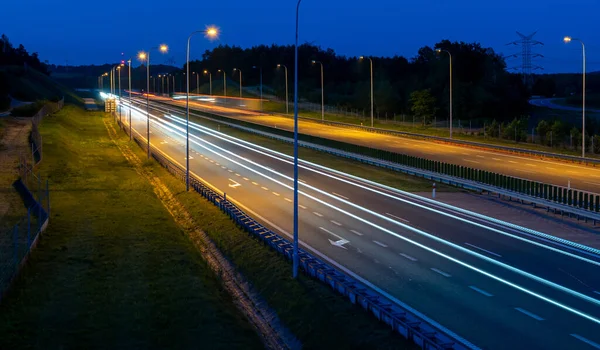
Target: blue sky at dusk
x: 93, y: 32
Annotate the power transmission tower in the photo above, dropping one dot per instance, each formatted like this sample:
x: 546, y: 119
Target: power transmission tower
x: 527, y: 66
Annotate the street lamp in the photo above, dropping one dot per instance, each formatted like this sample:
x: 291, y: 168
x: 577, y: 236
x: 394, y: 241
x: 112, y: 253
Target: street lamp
x: 119, y: 69
x: 145, y: 56
x: 287, y: 111
x: 449, y: 55
x: 295, y: 240
x: 322, y: 91
x: 567, y: 40
x: 239, y: 70
x: 210, y: 33
x: 209, y: 81
x: 129, y: 64
x: 371, y: 60
x: 261, y: 95
x: 224, y: 85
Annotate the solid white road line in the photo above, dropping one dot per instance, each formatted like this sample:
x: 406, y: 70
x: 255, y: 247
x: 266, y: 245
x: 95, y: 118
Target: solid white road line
x: 398, y: 218
x: 481, y: 291
x: 483, y: 250
x: 318, y: 214
x: 408, y: 257
x: 339, y: 195
x: 592, y: 183
x: 441, y: 272
x: 587, y: 341
x: 356, y: 232
x: 335, y: 223
x: 532, y: 315
x: 380, y: 244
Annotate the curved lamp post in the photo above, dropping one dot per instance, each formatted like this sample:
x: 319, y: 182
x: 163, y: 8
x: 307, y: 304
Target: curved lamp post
x: 322, y: 91
x: 145, y: 56
x: 295, y: 241
x: 371, y: 60
x: 568, y: 39
x: 239, y: 70
x: 209, y: 33
x: 287, y: 111
x: 209, y: 81
x: 449, y: 55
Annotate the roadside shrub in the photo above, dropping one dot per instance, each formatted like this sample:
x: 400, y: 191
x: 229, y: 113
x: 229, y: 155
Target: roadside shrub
x: 28, y: 110
x: 4, y: 103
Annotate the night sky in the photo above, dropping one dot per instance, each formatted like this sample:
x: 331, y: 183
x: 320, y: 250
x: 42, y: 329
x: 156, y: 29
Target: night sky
x: 96, y: 32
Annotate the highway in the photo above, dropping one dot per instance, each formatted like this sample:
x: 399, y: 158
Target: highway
x: 550, y: 103
x: 558, y: 173
x: 495, y: 285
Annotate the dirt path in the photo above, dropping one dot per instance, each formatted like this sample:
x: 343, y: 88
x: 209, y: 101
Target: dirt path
x: 265, y: 321
x: 14, y: 140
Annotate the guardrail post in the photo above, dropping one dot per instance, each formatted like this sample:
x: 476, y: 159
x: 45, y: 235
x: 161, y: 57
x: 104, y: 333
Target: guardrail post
x: 585, y: 201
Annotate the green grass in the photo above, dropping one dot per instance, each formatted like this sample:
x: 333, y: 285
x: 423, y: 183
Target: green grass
x: 373, y: 173
x: 318, y: 317
x: 541, y: 113
x: 113, y: 270
x: 31, y: 85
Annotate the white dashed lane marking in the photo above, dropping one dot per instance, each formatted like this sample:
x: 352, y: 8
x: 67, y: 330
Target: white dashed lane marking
x: 408, y: 257
x: 380, y: 244
x: 335, y: 223
x: 356, y: 232
x: 339, y: 195
x: 530, y: 314
x: 264, y: 188
x: 275, y: 193
x: 587, y: 341
x: 254, y: 183
x: 483, y: 250
x: 481, y: 291
x: 287, y: 199
x: 301, y: 206
x: 445, y: 274
x: 398, y: 218
x: 318, y: 214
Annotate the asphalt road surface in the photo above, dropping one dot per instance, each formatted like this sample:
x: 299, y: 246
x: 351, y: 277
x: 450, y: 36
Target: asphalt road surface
x: 495, y: 285
x: 581, y: 177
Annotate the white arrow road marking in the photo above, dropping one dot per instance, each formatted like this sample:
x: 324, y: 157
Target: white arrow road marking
x: 340, y: 242
x: 235, y: 184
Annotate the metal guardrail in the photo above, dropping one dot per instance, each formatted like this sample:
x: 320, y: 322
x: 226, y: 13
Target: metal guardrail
x: 578, y: 204
x: 401, y: 319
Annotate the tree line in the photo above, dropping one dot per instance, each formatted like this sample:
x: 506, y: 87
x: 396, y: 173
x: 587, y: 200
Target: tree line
x: 482, y: 88
x: 18, y: 56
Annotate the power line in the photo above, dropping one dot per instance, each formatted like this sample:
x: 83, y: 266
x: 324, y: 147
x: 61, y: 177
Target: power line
x: 526, y: 42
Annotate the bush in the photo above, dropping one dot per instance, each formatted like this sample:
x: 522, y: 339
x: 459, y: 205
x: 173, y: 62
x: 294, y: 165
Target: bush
x: 28, y: 110
x: 4, y: 103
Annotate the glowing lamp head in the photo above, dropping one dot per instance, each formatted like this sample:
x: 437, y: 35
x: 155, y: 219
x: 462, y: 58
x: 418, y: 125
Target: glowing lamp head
x: 438, y: 50
x: 313, y: 61
x: 218, y: 70
x: 142, y: 55
x: 205, y: 71
x: 163, y: 48
x: 567, y: 39
x: 278, y: 65
x: 212, y: 32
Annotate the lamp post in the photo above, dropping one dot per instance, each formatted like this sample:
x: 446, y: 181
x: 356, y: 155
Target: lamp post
x: 261, y: 95
x: 371, y: 61
x: 129, y: 64
x: 568, y: 39
x: 295, y: 241
x: 450, y: 56
x: 287, y: 111
x: 212, y: 32
x: 322, y: 91
x: 239, y: 70
x: 146, y: 56
x: 224, y: 85
x: 197, y: 82
x: 120, y: 119
x: 209, y: 81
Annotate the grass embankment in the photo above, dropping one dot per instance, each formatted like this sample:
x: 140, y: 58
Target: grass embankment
x: 459, y: 133
x: 317, y: 316
x: 31, y: 85
x: 113, y: 270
